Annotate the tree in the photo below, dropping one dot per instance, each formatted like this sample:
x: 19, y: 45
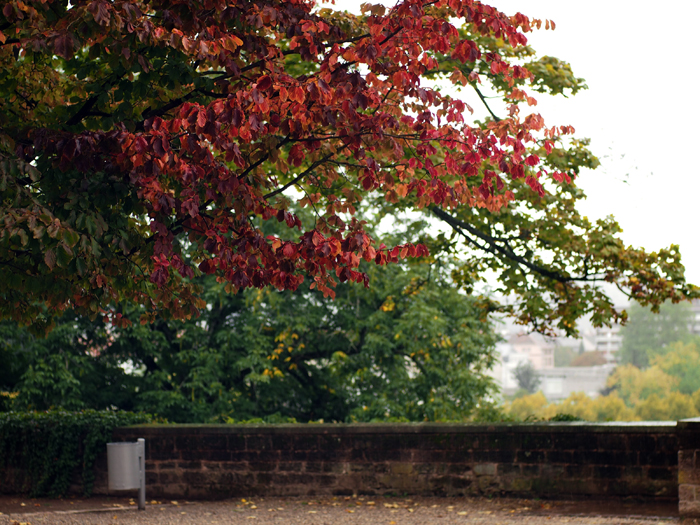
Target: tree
x: 681, y: 361
x: 143, y: 144
x: 411, y: 347
x: 647, y: 333
x: 527, y: 377
x: 633, y: 385
x: 672, y: 407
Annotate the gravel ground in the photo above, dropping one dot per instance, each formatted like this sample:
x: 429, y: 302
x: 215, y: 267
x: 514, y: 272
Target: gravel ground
x: 357, y: 511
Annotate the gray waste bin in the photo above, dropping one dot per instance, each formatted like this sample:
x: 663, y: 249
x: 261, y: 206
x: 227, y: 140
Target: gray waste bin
x: 126, y: 468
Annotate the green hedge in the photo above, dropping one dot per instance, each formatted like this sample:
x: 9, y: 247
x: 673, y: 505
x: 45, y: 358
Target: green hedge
x: 49, y: 447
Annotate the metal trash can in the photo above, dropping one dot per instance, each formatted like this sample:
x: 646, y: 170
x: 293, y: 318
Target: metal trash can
x: 126, y: 467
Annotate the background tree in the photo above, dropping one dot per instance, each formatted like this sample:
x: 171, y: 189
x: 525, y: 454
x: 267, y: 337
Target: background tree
x: 143, y: 144
x: 647, y: 332
x: 411, y: 347
x: 681, y: 361
x: 527, y: 377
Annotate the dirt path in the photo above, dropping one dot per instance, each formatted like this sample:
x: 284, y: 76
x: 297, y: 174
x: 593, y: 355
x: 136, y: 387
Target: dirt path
x: 334, y: 511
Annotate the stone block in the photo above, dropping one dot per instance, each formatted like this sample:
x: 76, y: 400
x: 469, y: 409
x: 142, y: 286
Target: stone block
x: 236, y: 442
x: 571, y: 441
x: 687, y: 492
x: 402, y: 468
x: 530, y: 471
x: 530, y: 456
x: 195, y: 478
x: 554, y: 472
x: 336, y: 468
x: 384, y: 455
x: 517, y: 485
x: 189, y: 465
x: 217, y: 442
x: 161, y: 449
x: 612, y: 441
x: 666, y: 458
x: 507, y: 469
x: 262, y: 466
x: 688, y: 503
x: 186, y: 445
x: 662, y: 473
x: 485, y: 469
x: 168, y: 478
x: 578, y: 471
x: 215, y: 455
x: 644, y: 443
x: 298, y: 466
x: 258, y: 443
x: 607, y: 472
x: 488, y: 485
x: 494, y: 456
x: 559, y: 456
x: 536, y: 441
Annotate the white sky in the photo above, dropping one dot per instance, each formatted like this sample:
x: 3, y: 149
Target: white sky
x: 639, y: 59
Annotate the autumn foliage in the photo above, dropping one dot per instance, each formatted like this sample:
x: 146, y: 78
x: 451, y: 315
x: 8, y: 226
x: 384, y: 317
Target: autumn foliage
x: 143, y: 143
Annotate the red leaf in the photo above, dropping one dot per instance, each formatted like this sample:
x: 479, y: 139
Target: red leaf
x: 100, y: 12
x: 63, y: 46
x: 50, y: 259
x: 264, y: 83
x: 532, y: 160
x: 296, y: 155
x: 208, y: 266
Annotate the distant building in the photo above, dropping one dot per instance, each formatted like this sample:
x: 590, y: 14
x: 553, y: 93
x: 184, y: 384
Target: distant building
x: 608, y: 340
x: 517, y: 350
x: 560, y: 383
x: 538, y: 350
x: 502, y: 372
x: 695, y: 326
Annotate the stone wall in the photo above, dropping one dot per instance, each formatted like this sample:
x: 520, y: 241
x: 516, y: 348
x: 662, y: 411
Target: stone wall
x: 559, y: 460
x: 689, y: 467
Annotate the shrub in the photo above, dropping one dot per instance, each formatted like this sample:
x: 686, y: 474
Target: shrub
x: 50, y: 446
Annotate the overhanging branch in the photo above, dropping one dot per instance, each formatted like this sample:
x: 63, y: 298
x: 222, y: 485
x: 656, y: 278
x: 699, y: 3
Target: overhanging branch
x: 502, y: 248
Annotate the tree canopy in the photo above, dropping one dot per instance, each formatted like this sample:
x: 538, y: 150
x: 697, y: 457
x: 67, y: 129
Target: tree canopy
x: 146, y: 143
x: 647, y: 334
x: 411, y: 347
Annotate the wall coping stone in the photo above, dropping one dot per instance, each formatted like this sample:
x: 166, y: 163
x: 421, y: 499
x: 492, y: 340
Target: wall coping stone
x: 692, y: 423
x: 644, y: 427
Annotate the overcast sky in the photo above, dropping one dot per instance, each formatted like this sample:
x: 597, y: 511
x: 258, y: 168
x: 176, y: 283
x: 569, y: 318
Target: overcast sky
x: 639, y: 59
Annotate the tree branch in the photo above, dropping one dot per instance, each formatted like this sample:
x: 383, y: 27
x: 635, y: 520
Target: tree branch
x: 493, y: 246
x: 299, y: 177
x: 483, y: 99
